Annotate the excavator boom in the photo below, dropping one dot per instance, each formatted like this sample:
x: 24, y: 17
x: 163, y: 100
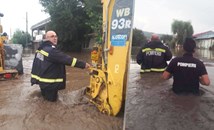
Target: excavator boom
x: 109, y: 78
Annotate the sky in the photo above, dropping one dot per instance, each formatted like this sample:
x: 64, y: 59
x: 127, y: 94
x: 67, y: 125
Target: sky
x: 15, y: 14
x: 158, y: 15
x: 149, y: 15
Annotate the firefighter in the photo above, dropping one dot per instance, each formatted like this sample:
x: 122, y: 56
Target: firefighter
x: 48, y: 70
x: 153, y: 56
x: 187, y: 71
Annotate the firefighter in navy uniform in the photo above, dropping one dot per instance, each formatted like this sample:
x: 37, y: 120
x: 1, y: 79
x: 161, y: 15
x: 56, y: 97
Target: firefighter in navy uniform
x: 153, y: 56
x: 48, y: 70
x: 187, y: 71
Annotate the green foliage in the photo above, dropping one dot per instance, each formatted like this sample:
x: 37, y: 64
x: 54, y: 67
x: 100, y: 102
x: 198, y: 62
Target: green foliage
x: 167, y: 39
x: 21, y: 37
x: 181, y: 30
x: 68, y: 19
x: 138, y: 38
x: 72, y: 20
x: 93, y: 9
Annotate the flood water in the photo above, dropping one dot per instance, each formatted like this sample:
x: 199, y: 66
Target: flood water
x: 151, y: 104
x: 23, y: 108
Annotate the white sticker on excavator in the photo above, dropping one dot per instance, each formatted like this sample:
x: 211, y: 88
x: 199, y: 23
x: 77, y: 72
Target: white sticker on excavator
x: 121, y: 22
x: 116, y: 68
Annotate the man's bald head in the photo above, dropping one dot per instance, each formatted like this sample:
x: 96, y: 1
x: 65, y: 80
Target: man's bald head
x: 52, y: 37
x: 155, y: 37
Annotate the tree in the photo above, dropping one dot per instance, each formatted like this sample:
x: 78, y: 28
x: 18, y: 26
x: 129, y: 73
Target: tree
x: 94, y: 11
x: 138, y: 38
x: 167, y: 39
x: 70, y: 19
x: 181, y: 30
x: 73, y: 20
x: 21, y: 37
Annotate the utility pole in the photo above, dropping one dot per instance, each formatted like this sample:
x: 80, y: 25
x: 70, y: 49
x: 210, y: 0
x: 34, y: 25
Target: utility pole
x: 26, y: 38
x: 26, y: 22
x: 1, y: 28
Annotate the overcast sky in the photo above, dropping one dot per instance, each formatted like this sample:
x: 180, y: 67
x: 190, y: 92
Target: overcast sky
x: 15, y: 14
x: 150, y: 15
x: 157, y: 15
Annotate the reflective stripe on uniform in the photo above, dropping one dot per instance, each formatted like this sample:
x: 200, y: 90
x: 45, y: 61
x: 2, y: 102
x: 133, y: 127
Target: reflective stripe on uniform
x: 158, y: 70
x: 47, y: 80
x: 160, y: 50
x: 146, y: 49
x: 152, y: 69
x: 74, y: 62
x: 43, y: 52
x: 145, y: 70
x: 156, y: 49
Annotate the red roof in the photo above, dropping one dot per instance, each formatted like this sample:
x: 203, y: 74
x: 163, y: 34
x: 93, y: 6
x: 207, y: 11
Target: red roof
x: 198, y: 34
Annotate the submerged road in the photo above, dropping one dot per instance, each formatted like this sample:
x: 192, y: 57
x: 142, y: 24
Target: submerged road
x: 23, y: 108
x: 151, y: 104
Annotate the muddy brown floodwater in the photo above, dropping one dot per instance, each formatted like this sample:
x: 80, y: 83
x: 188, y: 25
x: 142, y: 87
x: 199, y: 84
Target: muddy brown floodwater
x: 23, y: 108
x: 151, y: 104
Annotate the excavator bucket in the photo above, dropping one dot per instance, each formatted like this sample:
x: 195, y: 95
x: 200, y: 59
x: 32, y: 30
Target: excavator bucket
x: 10, y: 57
x: 5, y: 73
x: 108, y: 78
x: 10, y: 61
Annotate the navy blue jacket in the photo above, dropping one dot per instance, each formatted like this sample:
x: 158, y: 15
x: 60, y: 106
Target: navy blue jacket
x: 153, y: 57
x: 49, y: 66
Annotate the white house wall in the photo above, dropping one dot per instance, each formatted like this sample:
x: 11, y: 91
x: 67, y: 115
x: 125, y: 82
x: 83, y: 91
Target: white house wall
x: 205, y: 43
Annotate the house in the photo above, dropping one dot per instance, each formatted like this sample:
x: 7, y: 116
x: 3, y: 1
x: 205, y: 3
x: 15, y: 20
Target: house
x: 204, y: 40
x: 37, y: 41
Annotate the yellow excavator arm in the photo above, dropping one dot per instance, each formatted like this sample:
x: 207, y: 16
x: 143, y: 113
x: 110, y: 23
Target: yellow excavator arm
x: 110, y: 61
x: 1, y: 45
x: 5, y: 73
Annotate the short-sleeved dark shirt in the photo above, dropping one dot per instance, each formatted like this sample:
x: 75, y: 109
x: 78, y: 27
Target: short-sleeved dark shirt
x: 186, y: 71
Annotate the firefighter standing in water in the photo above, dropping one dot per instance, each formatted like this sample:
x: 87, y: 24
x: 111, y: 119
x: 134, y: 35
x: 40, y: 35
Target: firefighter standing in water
x: 153, y: 56
x: 48, y: 68
x: 187, y: 71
